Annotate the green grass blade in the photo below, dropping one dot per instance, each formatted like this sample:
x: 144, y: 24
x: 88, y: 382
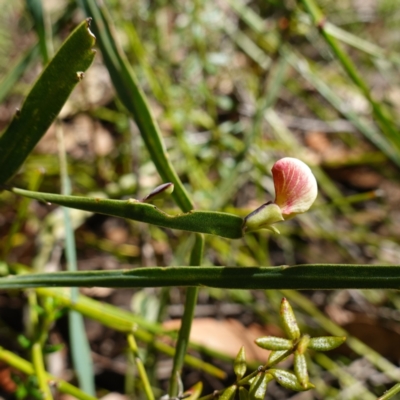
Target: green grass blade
x: 80, y: 348
x: 133, y: 98
x: 80, y: 351
x: 45, y: 100
x: 16, y: 71
x: 367, y: 129
x: 302, y: 277
x: 211, y: 222
x: 42, y: 28
x: 386, y: 124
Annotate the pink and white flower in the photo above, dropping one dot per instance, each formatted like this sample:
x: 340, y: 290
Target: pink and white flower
x: 295, y: 192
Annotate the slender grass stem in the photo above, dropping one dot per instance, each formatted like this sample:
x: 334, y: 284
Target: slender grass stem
x: 383, y: 119
x: 139, y: 365
x: 184, y: 332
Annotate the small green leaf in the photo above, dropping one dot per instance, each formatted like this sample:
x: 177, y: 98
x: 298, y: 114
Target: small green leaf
x: 289, y: 380
x: 243, y: 393
x: 239, y: 365
x: 278, y: 356
x: 52, y: 348
x: 258, y: 387
x: 300, y: 368
x: 302, y: 345
x: 326, y: 343
x: 289, y: 320
x: 159, y: 192
x: 228, y: 393
x: 274, y: 343
x: 194, y: 392
x: 23, y: 341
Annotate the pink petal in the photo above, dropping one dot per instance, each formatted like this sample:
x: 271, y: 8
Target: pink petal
x: 295, y: 186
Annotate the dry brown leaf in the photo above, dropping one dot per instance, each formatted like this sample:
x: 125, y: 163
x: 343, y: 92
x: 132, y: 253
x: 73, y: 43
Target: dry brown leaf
x: 226, y: 336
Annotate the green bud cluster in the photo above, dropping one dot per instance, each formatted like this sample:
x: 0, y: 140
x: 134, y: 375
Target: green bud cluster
x: 295, y: 344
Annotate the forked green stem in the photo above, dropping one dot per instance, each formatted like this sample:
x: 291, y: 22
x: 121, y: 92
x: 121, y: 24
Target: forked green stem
x: 27, y: 368
x: 40, y: 372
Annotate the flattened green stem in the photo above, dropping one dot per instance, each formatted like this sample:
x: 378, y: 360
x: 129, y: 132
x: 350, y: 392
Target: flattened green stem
x: 133, y: 98
x: 40, y: 372
x: 27, y: 368
x: 215, y: 223
x: 319, y: 20
x: 184, y: 332
x: 301, y: 277
x: 45, y: 100
x: 139, y: 365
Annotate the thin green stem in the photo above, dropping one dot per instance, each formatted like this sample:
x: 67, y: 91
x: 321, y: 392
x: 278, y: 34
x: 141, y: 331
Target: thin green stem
x: 40, y: 372
x: 390, y: 393
x: 184, y: 332
x: 139, y: 365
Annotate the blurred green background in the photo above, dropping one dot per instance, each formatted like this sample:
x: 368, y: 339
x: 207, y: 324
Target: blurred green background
x: 234, y: 85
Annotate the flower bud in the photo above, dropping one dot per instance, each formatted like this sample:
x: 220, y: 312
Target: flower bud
x: 289, y: 380
x: 295, y: 192
x: 300, y: 368
x: 159, y: 192
x: 289, y: 320
x: 295, y: 186
x: 274, y: 343
x: 239, y: 365
x: 263, y: 217
x: 326, y: 343
x: 258, y: 387
x: 228, y: 393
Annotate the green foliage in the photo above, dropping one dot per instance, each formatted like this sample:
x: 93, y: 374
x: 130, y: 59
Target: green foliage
x: 213, y: 121
x: 45, y: 100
